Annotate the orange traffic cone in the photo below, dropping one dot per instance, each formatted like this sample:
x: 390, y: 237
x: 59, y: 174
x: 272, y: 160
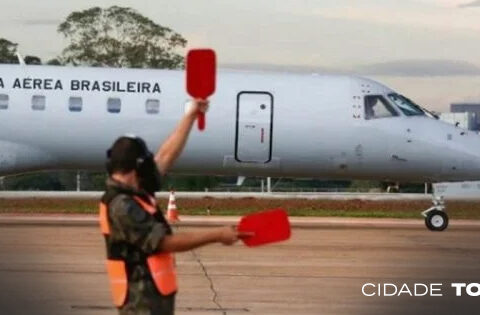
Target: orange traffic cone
x: 172, y: 212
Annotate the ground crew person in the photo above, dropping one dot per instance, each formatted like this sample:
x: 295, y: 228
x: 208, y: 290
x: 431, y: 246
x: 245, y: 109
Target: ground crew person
x: 140, y: 243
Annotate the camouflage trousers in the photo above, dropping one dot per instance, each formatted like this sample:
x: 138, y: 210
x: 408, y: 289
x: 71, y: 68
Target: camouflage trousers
x: 144, y: 299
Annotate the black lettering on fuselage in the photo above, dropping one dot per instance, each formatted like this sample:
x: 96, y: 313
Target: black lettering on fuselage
x: 85, y: 85
x: 107, y: 86
x: 47, y: 84
x: 74, y: 85
x: 145, y: 87
x: 131, y: 87
x: 37, y: 84
x: 17, y: 84
x: 27, y: 83
x: 156, y: 88
x: 119, y: 87
x: 1, y: 83
x: 58, y: 85
x: 96, y: 86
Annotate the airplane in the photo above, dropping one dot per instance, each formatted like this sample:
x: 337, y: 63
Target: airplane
x: 259, y: 124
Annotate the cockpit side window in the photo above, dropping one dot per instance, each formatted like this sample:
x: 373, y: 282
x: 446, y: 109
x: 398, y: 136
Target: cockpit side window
x: 407, y: 107
x: 378, y: 107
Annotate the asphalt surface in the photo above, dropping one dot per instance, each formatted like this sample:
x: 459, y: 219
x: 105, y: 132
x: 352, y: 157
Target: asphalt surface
x: 206, y: 221
x: 59, y: 269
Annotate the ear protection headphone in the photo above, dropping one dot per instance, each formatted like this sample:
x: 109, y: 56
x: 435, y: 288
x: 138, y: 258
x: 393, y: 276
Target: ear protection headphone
x: 143, y: 163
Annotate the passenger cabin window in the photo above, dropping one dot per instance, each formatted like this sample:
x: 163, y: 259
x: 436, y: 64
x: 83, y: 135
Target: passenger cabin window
x: 152, y: 106
x: 4, y: 101
x: 377, y: 107
x: 114, y: 105
x: 75, y: 104
x: 407, y: 107
x: 38, y: 102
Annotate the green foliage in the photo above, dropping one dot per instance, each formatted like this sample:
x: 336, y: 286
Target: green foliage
x: 291, y: 184
x: 92, y: 181
x: 189, y: 183
x: 33, y: 60
x: 408, y: 187
x: 36, y: 181
x: 119, y: 37
x: 412, y: 188
x: 7, y: 51
x: 366, y: 185
x: 54, y: 62
x: 54, y: 181
x: 8, y: 54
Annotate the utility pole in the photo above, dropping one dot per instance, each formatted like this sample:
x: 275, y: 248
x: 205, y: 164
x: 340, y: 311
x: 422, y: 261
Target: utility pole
x: 269, y: 184
x: 78, y: 180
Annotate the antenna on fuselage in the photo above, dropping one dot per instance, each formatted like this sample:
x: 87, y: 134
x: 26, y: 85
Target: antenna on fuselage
x: 20, y: 59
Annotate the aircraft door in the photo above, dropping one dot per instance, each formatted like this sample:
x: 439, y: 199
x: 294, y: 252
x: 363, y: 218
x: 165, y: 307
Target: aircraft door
x: 254, y: 127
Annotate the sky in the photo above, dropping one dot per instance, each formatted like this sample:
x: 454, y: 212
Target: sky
x: 426, y: 49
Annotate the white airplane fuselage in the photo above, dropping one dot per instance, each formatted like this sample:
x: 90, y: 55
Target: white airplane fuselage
x: 259, y: 124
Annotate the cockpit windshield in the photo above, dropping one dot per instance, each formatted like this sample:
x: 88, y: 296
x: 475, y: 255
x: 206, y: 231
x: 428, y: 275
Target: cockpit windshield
x: 407, y: 107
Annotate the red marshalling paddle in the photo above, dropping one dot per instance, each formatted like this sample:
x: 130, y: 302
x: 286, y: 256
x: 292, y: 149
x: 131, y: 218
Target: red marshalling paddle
x: 266, y: 227
x: 201, y: 73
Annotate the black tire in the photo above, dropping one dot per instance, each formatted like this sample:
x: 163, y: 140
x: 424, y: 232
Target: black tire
x: 436, y: 220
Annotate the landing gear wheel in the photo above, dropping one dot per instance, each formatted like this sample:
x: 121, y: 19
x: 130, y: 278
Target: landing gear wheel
x: 436, y: 220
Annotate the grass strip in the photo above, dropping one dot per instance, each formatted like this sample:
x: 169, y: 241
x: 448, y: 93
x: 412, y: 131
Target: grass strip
x: 239, y: 207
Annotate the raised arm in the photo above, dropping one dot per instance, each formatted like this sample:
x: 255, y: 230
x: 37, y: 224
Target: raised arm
x: 171, y: 149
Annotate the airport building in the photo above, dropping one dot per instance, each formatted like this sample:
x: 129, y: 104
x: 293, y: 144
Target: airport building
x: 464, y: 115
x: 465, y: 108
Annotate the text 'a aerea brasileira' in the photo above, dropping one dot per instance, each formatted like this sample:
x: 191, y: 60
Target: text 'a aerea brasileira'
x: 83, y: 85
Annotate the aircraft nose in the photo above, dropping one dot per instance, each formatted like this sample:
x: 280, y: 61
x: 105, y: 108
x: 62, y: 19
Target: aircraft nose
x: 467, y: 155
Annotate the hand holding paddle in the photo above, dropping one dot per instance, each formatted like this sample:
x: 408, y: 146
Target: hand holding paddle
x: 229, y: 235
x: 201, y: 77
x: 265, y: 227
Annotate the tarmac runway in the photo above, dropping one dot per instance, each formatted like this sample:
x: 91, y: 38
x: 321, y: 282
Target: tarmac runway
x: 59, y: 269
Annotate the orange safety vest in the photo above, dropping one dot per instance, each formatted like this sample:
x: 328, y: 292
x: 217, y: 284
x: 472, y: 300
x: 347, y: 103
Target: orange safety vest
x: 161, y: 265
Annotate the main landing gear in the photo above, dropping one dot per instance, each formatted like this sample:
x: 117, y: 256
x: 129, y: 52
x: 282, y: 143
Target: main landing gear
x: 436, y: 219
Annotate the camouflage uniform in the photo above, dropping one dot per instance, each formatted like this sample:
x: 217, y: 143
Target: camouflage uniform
x: 136, y: 234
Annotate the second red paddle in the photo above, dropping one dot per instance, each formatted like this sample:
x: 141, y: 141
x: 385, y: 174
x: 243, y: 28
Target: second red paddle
x: 266, y: 227
x: 201, y: 76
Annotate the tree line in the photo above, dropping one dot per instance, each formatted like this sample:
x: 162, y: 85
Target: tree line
x: 110, y: 37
